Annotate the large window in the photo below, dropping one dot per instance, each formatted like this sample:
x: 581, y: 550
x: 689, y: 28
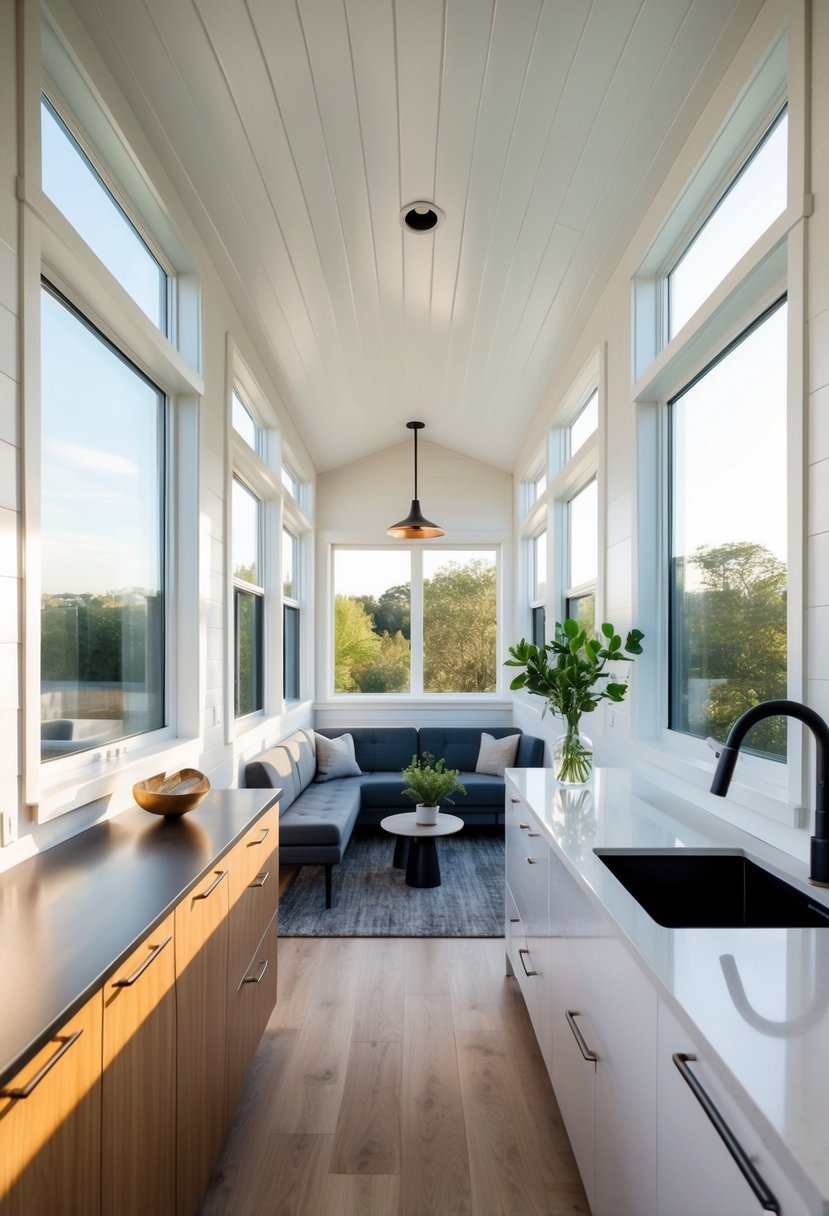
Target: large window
x: 729, y: 526
x: 582, y: 556
x: 290, y: 616
x: 76, y: 187
x: 450, y: 644
x: 102, y: 539
x: 755, y: 196
x: 248, y: 599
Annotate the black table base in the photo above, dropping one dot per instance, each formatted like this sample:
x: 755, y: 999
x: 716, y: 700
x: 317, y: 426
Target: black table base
x: 422, y: 869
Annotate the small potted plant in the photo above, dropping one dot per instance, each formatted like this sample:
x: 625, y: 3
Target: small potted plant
x: 429, y: 782
x: 569, y: 673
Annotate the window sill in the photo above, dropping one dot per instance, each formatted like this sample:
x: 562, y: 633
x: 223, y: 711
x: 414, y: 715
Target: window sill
x: 762, y: 794
x: 109, y: 779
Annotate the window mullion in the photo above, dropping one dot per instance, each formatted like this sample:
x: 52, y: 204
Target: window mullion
x: 417, y: 622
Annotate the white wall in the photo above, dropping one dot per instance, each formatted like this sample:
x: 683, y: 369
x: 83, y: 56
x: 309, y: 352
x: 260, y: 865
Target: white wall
x: 10, y: 489
x: 472, y: 502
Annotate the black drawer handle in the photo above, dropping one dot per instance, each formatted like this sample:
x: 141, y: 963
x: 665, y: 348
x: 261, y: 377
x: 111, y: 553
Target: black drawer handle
x: 741, y: 1158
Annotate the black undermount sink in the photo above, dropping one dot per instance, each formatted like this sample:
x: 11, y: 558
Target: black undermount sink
x: 713, y: 891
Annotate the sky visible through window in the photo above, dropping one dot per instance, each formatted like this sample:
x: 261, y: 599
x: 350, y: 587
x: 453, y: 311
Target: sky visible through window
x: 73, y: 185
x: 102, y: 435
x: 756, y: 198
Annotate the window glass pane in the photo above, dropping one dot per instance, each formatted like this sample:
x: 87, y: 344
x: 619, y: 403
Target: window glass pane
x: 290, y: 651
x: 243, y: 423
x: 372, y: 609
x: 246, y: 525
x: 582, y: 608
x: 75, y: 187
x: 289, y: 564
x: 583, y: 518
x: 728, y: 498
x: 756, y: 197
x: 539, y: 625
x: 290, y: 482
x: 102, y: 524
x: 540, y: 566
x: 585, y: 423
x: 248, y: 652
x: 459, y: 621
x: 539, y: 486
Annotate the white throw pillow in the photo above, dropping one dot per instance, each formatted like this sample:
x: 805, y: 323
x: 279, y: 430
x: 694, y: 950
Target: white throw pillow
x: 335, y: 758
x: 496, y: 754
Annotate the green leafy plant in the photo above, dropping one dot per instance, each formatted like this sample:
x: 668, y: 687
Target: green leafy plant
x: 429, y: 781
x: 570, y: 673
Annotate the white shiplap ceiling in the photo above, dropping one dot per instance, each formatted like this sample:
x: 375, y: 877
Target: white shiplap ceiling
x: 295, y: 130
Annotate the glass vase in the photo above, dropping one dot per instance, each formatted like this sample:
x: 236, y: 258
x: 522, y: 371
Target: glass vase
x: 573, y: 756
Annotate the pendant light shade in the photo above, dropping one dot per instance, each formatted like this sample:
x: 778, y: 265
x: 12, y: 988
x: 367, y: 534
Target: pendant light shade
x: 414, y: 526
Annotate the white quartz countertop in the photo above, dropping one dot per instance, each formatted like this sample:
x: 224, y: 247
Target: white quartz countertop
x: 759, y: 998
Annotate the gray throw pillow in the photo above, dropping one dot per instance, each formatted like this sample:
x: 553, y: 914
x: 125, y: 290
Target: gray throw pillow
x: 496, y: 754
x: 335, y: 758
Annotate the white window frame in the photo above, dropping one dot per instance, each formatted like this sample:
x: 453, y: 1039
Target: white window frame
x: 292, y: 601
x: 257, y: 590
x: 774, y: 266
x: 53, y: 249
x: 416, y: 692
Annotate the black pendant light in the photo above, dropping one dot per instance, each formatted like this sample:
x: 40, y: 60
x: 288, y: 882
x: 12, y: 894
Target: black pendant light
x: 414, y: 526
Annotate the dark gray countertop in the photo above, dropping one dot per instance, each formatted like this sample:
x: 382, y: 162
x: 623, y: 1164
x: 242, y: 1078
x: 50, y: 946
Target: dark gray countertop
x: 71, y: 915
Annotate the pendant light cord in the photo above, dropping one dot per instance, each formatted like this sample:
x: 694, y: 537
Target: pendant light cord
x: 415, y: 461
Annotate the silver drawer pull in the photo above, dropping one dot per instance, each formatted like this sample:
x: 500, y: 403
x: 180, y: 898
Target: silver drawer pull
x: 525, y: 827
x: 533, y: 833
x: 521, y: 954
x: 263, y: 837
x: 257, y: 979
x: 571, y: 1015
x: 260, y: 879
x: 220, y: 874
x: 741, y: 1158
x: 533, y: 861
x: 151, y: 957
x: 515, y: 799
x: 27, y: 1090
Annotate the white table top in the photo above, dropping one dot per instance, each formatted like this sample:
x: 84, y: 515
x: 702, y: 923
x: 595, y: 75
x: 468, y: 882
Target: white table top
x: 406, y: 824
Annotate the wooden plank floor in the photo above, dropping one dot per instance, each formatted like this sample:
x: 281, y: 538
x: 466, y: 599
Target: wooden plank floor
x: 396, y: 1076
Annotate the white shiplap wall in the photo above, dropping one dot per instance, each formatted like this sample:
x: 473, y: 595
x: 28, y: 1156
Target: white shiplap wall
x: 10, y: 488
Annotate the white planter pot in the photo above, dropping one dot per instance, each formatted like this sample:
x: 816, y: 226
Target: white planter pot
x: 426, y: 815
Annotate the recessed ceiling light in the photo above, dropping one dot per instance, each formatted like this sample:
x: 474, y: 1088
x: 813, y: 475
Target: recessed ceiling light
x: 421, y: 216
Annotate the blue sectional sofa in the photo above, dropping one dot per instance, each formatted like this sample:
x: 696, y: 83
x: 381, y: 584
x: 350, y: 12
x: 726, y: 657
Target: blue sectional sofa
x: 316, y: 819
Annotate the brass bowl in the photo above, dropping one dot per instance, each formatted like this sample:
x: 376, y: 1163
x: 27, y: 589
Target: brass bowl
x: 173, y: 795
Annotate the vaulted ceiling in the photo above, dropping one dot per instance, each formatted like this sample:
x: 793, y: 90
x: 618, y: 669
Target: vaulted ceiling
x: 296, y: 130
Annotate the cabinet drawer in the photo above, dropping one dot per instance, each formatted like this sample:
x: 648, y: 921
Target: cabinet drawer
x: 249, y: 1008
x: 696, y: 1174
x: 252, y: 910
x: 254, y: 853
x: 50, y: 1124
x: 139, y: 1096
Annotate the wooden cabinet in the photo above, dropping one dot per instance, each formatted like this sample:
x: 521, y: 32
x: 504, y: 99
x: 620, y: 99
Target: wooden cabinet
x: 697, y: 1175
x: 50, y: 1124
x: 139, y: 1081
x: 251, y: 970
x: 201, y: 936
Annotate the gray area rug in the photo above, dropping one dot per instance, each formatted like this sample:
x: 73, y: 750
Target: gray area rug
x: 371, y: 898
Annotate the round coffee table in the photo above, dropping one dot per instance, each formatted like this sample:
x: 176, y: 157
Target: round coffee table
x: 415, y: 846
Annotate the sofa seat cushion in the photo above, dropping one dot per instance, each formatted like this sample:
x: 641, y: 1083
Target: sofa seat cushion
x: 482, y: 790
x: 459, y: 746
x: 322, y: 815
x: 384, y: 790
x: 381, y: 749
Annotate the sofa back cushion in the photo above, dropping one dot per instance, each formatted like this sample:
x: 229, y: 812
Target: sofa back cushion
x: 530, y: 752
x: 300, y: 746
x: 458, y: 745
x: 274, y: 769
x: 379, y: 749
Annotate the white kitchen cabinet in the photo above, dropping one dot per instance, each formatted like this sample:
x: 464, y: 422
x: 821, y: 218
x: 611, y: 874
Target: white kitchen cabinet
x: 528, y: 918
x: 604, y: 1062
x: 697, y: 1175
